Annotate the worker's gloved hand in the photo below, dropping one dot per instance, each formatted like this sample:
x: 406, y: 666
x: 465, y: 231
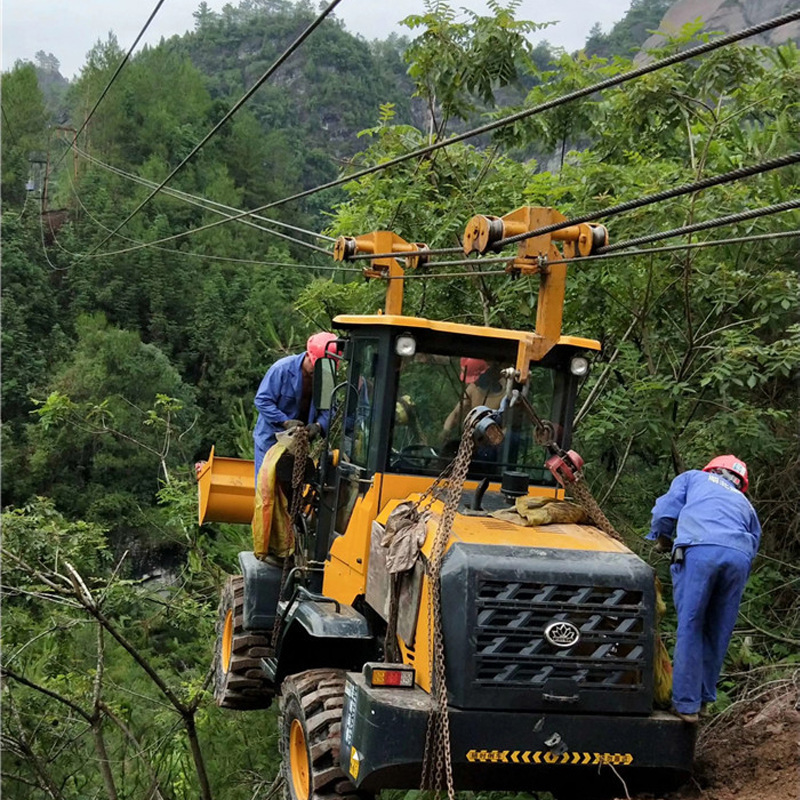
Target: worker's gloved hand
x: 291, y: 423
x: 663, y: 544
x: 313, y: 430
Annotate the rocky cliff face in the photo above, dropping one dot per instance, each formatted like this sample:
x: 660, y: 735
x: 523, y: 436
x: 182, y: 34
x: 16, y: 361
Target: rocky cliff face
x: 727, y: 16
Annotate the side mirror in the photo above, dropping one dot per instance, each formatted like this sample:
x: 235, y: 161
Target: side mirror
x: 324, y: 383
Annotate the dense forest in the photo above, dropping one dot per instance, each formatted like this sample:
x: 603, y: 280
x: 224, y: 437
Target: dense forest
x: 126, y: 358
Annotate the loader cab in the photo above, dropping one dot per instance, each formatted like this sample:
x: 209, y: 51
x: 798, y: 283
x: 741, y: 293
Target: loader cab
x: 408, y: 386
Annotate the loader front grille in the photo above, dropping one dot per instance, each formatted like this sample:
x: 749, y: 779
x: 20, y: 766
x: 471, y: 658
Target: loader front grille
x: 499, y: 604
x: 512, y: 652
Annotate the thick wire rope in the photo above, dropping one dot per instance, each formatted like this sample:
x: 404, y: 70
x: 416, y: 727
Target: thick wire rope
x: 236, y: 106
x: 113, y: 78
x: 659, y: 197
x: 630, y: 253
x: 731, y: 219
x: 211, y: 205
x: 206, y: 256
x: 630, y: 205
x: 605, y: 84
x: 608, y: 83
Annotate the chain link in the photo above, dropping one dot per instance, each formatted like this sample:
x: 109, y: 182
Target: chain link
x: 437, y: 765
x: 581, y: 492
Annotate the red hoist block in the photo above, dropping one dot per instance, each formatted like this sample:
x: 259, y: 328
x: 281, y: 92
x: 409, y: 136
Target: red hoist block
x: 564, y: 466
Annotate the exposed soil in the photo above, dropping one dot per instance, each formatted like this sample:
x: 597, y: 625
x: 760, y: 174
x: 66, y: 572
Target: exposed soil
x: 749, y: 752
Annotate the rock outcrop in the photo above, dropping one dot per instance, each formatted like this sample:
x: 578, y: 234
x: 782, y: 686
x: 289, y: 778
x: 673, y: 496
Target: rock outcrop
x: 727, y: 16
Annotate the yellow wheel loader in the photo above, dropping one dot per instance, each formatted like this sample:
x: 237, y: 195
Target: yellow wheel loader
x: 447, y: 621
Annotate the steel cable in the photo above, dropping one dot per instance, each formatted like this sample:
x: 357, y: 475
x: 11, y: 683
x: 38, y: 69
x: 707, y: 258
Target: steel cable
x: 658, y: 197
x: 236, y: 106
x: 731, y: 219
x: 631, y: 253
x: 602, y: 85
x: 677, y: 58
x: 113, y: 78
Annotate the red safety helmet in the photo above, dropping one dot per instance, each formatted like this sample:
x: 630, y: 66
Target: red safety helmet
x: 317, y: 345
x: 733, y: 465
x: 472, y: 369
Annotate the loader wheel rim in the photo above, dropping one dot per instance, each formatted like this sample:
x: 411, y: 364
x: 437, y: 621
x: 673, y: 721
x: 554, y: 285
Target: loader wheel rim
x: 227, y: 641
x: 298, y: 761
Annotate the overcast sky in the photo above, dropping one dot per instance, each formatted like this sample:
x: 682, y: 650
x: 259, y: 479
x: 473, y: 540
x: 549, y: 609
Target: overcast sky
x: 69, y: 28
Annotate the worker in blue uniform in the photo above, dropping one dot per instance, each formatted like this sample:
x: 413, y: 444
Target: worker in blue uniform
x: 284, y: 398
x: 713, y: 533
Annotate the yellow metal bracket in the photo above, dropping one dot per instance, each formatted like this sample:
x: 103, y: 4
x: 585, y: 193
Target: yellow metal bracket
x: 384, y: 266
x: 538, y: 255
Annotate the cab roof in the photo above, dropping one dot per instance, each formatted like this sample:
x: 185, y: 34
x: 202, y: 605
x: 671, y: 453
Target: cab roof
x: 347, y: 321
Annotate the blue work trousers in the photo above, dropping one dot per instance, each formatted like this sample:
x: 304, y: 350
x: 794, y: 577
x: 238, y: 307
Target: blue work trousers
x: 707, y: 589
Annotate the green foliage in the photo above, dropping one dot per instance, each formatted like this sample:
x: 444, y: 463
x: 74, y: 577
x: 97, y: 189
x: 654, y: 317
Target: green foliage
x: 69, y: 682
x: 453, y: 63
x: 23, y: 130
x: 116, y: 420
x: 629, y: 34
x: 140, y: 360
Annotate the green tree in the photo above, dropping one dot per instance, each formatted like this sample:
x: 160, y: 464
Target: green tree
x: 24, y: 133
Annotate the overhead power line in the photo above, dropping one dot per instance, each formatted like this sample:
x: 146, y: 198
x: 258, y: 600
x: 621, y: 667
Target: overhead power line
x: 207, y: 205
x: 113, y: 78
x: 203, y: 201
x: 191, y: 254
x: 608, y: 83
x: 239, y: 103
x: 600, y: 86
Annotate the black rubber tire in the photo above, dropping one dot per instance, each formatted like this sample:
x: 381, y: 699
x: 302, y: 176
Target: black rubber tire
x: 314, y: 700
x: 240, y: 683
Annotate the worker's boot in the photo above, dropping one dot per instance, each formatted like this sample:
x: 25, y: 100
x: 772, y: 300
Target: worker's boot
x: 692, y: 719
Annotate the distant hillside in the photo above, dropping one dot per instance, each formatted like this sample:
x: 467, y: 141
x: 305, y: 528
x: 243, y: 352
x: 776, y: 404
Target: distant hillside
x: 727, y: 16
x: 633, y: 32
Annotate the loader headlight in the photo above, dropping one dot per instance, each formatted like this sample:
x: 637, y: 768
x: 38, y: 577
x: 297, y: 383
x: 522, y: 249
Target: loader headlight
x: 579, y: 366
x: 405, y: 346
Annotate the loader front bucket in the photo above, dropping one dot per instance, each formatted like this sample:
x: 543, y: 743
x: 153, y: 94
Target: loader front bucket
x: 226, y: 489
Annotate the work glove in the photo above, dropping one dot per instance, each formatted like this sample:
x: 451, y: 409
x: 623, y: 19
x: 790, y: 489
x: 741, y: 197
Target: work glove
x: 291, y: 423
x: 663, y: 544
x: 313, y: 430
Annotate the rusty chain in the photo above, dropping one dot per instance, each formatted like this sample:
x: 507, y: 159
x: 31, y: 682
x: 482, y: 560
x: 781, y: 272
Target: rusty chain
x: 581, y: 492
x: 437, y: 765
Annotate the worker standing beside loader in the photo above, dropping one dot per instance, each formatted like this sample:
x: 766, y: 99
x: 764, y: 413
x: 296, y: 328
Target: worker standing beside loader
x: 713, y: 533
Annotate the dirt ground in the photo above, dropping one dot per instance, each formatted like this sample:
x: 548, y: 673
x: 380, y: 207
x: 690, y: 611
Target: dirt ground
x: 749, y: 752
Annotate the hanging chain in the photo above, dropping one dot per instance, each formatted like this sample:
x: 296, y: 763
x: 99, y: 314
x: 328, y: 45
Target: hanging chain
x: 437, y: 765
x: 581, y: 492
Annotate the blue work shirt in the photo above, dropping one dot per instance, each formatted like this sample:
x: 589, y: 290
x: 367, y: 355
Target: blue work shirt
x: 705, y: 508
x: 278, y: 399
